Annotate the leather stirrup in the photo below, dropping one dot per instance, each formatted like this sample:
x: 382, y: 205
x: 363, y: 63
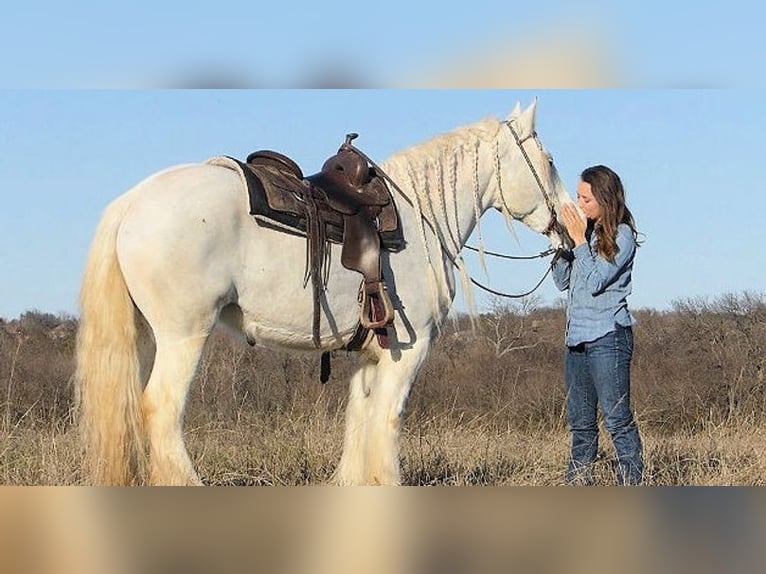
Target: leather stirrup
x: 367, y: 313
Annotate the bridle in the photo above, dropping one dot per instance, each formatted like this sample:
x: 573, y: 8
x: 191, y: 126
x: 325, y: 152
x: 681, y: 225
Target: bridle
x: 553, y: 223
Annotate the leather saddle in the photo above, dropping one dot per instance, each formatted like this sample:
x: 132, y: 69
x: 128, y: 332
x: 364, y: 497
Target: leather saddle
x: 348, y: 203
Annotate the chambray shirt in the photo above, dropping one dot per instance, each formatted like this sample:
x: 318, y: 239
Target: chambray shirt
x: 598, y: 289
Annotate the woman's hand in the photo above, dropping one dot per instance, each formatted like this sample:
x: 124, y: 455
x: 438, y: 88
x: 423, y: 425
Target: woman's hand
x: 574, y: 222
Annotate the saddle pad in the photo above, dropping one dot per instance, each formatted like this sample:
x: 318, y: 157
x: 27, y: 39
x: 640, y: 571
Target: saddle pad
x: 274, y: 204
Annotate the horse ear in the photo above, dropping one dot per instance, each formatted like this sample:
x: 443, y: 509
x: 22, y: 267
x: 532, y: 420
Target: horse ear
x: 515, y: 113
x: 527, y: 118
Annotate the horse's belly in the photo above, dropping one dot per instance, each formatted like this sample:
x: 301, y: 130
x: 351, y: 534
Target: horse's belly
x: 278, y: 303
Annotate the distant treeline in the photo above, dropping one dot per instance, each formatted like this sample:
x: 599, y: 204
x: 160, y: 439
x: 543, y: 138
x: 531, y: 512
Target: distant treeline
x: 699, y: 363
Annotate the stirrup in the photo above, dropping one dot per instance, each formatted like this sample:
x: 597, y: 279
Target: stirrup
x: 365, y: 311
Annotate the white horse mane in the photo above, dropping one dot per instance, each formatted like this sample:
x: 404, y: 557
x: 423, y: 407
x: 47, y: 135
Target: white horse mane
x: 436, y: 161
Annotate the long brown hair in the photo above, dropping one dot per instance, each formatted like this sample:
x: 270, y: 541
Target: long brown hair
x: 609, y: 192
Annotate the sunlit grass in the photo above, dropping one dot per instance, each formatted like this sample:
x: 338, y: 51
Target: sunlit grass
x: 283, y: 451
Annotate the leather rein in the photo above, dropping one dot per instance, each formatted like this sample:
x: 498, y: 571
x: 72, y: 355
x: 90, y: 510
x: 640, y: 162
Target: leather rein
x: 553, y: 224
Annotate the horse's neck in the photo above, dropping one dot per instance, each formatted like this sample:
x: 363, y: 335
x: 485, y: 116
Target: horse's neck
x: 450, y: 192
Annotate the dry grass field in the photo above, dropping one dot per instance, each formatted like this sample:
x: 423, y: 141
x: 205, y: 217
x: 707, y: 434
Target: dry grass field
x: 487, y: 408
x: 303, y: 451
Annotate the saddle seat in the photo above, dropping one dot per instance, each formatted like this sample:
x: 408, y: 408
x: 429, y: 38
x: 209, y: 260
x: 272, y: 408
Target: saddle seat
x: 347, y: 202
x: 348, y: 184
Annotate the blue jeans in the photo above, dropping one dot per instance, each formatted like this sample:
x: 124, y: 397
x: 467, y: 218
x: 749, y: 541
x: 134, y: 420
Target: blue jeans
x: 598, y: 373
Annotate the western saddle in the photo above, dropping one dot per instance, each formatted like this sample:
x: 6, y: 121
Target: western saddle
x: 347, y: 202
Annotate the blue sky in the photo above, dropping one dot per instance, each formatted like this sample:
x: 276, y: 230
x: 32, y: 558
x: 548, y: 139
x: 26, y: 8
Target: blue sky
x: 651, y: 43
x: 690, y: 159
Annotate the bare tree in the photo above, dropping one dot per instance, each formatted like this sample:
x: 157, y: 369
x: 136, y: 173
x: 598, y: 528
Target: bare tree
x: 508, y: 326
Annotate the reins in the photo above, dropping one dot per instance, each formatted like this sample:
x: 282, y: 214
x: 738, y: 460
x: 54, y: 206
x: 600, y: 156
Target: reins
x: 553, y: 224
x: 515, y: 295
x: 540, y: 255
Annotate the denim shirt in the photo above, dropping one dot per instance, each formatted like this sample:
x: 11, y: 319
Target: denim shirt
x: 598, y: 289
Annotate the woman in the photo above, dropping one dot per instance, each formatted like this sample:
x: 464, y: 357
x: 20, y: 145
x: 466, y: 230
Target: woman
x: 599, y: 336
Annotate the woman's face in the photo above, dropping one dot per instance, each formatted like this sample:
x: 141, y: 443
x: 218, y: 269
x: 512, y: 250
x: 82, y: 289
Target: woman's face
x: 587, y: 202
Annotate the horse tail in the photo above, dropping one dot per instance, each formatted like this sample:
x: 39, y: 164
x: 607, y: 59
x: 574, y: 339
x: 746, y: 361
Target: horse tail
x: 108, y: 374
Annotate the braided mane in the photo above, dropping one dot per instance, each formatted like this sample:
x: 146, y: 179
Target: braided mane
x: 431, y: 172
